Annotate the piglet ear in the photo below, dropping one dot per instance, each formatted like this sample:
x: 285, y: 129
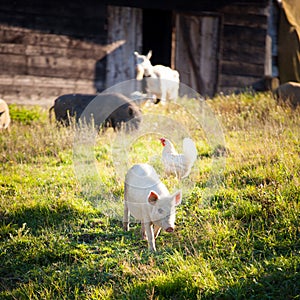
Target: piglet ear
x: 149, y: 54
x: 177, y: 196
x: 153, y: 197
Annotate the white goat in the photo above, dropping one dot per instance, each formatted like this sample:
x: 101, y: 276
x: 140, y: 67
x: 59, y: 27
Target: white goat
x: 161, y: 81
x: 4, y: 115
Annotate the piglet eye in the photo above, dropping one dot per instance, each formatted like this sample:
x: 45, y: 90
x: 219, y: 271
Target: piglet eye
x: 160, y: 210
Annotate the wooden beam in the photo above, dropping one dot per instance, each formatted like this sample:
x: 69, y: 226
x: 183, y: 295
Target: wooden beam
x: 242, y: 68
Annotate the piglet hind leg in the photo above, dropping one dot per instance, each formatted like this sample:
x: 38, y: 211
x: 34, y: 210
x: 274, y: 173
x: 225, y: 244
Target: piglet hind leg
x: 143, y: 232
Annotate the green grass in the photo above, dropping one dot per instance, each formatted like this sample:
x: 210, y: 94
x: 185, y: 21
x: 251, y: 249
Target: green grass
x: 245, y: 244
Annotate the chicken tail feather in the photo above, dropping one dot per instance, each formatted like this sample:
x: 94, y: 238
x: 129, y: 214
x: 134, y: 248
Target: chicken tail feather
x: 190, y: 151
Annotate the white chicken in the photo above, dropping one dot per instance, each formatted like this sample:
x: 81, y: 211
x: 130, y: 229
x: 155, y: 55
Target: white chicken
x: 178, y: 164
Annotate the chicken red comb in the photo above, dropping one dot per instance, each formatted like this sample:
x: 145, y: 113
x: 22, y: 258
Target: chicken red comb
x: 163, y: 141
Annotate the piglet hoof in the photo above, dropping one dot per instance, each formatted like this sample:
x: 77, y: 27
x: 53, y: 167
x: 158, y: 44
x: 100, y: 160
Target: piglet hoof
x: 152, y: 249
x: 126, y: 226
x: 144, y: 236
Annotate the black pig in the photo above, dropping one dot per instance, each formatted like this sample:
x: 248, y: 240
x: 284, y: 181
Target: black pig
x: 109, y: 110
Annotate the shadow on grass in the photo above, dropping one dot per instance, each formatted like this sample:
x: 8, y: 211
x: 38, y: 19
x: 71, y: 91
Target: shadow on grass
x: 275, y: 284
x: 39, y: 217
x: 64, y: 244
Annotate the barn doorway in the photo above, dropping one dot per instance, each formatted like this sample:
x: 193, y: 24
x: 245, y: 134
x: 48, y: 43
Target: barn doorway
x: 157, y: 31
x: 192, y: 48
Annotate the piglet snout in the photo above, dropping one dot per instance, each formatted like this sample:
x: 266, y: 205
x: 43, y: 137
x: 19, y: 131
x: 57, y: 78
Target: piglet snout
x: 170, y: 229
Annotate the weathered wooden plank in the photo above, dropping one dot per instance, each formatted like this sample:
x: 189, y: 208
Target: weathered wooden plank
x: 57, y: 8
x: 258, y: 8
x: 32, y: 96
x: 250, y: 53
x: 70, y: 48
x: 188, y: 51
x: 196, y: 52
x: 12, y: 49
x: 235, y: 81
x: 15, y: 63
x: 79, y: 25
x: 124, y: 23
x: 18, y: 35
x: 48, y: 48
x: 257, y: 35
x: 48, y: 66
x: 96, y: 29
x: 42, y: 90
x: 22, y: 92
x: 64, y: 67
x: 49, y: 91
x: 243, y: 19
x: 43, y: 81
x: 242, y: 68
x: 183, y: 6
x: 95, y: 52
x: 243, y: 36
x: 63, y: 73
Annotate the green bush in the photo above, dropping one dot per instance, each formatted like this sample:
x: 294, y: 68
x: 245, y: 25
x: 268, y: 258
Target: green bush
x: 25, y: 115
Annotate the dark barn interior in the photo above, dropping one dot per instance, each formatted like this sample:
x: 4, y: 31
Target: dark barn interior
x: 157, y: 35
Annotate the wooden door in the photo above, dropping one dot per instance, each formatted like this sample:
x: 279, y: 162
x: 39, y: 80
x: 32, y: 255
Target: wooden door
x: 124, y: 27
x: 196, y: 51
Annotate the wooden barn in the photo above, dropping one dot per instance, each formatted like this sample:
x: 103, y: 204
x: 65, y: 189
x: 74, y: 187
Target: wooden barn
x: 51, y: 47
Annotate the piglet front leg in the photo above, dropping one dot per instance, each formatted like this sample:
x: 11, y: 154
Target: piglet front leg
x: 156, y: 231
x: 126, y: 217
x: 150, y: 236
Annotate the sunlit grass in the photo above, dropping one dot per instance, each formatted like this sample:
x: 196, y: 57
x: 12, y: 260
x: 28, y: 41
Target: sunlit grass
x: 241, y: 241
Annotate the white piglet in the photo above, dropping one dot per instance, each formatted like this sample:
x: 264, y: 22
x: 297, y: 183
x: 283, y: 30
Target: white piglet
x: 148, y: 200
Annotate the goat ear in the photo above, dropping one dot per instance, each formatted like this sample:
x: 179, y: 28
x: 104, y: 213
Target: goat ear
x: 135, y: 53
x: 149, y: 54
x: 177, y: 196
x: 153, y: 197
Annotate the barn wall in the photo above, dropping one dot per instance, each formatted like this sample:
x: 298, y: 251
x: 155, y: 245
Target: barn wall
x: 48, y: 48
x: 245, y: 52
